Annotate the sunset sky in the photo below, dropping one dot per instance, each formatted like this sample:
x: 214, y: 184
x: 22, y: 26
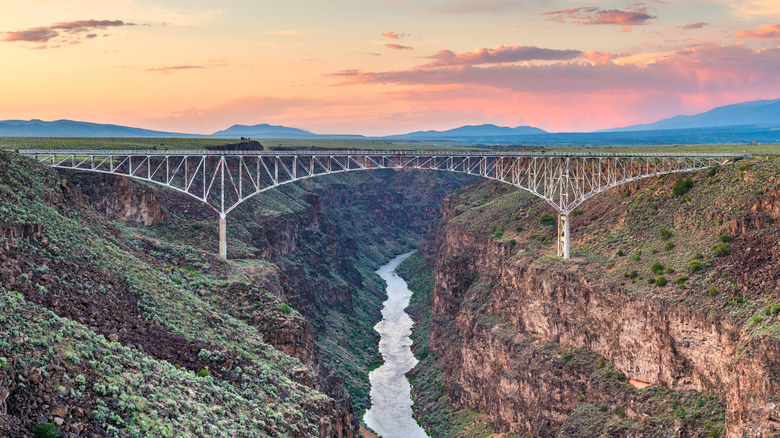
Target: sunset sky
x: 379, y: 67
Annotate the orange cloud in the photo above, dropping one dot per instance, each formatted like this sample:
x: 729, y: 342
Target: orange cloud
x: 599, y: 57
x: 394, y: 35
x: 176, y: 67
x: 765, y: 31
x: 398, y: 47
x: 591, y: 15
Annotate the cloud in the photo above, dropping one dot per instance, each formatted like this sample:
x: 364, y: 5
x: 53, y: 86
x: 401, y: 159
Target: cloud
x: 591, y: 15
x: 395, y: 36
x: 692, y: 26
x: 469, y: 7
x: 284, y: 32
x: 764, y: 31
x: 49, y: 33
x: 398, y: 47
x: 695, y: 70
x: 500, y: 55
x: 176, y: 67
x: 600, y: 57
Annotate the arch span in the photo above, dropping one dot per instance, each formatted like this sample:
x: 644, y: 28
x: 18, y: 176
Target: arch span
x: 223, y: 180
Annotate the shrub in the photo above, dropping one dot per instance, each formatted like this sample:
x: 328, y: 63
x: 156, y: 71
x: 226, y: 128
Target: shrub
x: 713, y: 433
x: 651, y: 280
x: 757, y: 319
x: 679, y: 412
x: 620, y: 253
x: 631, y: 274
x: 721, y: 249
x: 577, y: 212
x: 600, y: 362
x: 657, y: 268
x: 694, y: 266
x: 547, y: 219
x: 661, y: 281
x: 768, y: 310
x: 203, y: 372
x: 176, y: 280
x: 512, y: 242
x: 3, y: 362
x: 724, y: 237
x: 739, y: 300
x: 681, y: 187
x: 669, y: 245
x: 776, y: 309
x: 519, y: 228
x: 669, y: 271
x: 197, y: 225
x: 681, y: 279
x: 713, y: 291
x: 620, y: 412
x: 46, y: 430
x: 698, y: 256
x: 284, y: 308
x: 712, y: 171
x: 665, y: 234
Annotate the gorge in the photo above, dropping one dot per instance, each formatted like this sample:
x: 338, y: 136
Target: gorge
x: 510, y: 337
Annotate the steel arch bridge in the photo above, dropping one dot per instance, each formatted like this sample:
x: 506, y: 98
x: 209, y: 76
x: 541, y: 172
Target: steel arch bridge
x: 224, y: 179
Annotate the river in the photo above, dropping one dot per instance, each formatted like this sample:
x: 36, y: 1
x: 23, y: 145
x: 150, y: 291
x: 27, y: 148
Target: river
x: 391, y: 401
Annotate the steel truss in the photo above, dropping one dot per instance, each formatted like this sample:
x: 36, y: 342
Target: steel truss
x: 223, y: 180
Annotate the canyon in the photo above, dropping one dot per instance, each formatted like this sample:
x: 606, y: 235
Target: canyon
x: 510, y: 338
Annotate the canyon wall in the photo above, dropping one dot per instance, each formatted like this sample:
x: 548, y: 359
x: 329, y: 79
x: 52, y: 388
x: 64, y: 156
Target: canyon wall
x: 549, y: 347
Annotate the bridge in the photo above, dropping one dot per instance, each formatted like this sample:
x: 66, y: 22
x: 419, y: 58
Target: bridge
x: 225, y: 179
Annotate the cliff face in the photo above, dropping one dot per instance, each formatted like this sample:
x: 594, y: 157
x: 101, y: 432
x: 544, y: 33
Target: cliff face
x: 519, y: 333
x: 322, y: 239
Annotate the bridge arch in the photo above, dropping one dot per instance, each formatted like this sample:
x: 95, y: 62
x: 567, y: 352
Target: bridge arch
x: 223, y: 180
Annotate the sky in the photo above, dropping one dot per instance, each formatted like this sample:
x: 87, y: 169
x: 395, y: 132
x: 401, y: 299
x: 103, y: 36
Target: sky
x: 381, y: 67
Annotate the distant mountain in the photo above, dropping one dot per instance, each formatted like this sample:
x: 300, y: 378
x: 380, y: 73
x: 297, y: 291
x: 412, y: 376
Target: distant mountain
x: 470, y: 132
x: 764, y: 113
x: 263, y: 131
x: 69, y: 128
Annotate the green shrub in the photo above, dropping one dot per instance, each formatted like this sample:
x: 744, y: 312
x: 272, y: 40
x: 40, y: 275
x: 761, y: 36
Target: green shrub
x: 694, y: 266
x: 713, y: 433
x: 284, y: 308
x: 46, y: 430
x: 657, y: 268
x: 713, y: 291
x: 757, y: 319
x: 547, y: 219
x: 620, y: 412
x: 721, y: 249
x: 724, y: 237
x: 768, y: 310
x: 202, y: 372
x: 519, y: 228
x: 679, y: 412
x: 3, y: 362
x: 176, y: 280
x: 651, y: 280
x: 698, y: 256
x: 512, y: 242
x: 661, y: 281
x: 600, y: 362
x: 577, y: 212
x: 620, y: 253
x: 665, y: 234
x: 631, y: 274
x: 669, y: 271
x: 776, y: 309
x: 681, y: 279
x: 739, y: 300
x: 712, y: 171
x: 681, y: 187
x: 669, y: 245
x: 197, y: 225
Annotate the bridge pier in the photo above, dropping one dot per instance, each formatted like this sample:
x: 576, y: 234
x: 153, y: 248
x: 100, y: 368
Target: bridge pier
x: 222, y: 236
x: 564, y: 236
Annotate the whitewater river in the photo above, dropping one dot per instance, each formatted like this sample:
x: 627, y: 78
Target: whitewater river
x: 391, y: 401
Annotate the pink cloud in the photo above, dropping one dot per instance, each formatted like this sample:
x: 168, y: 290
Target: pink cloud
x: 398, y: 47
x: 394, y: 35
x: 176, y: 67
x: 600, y: 57
x: 765, y: 31
x: 591, y: 15
x: 500, y: 55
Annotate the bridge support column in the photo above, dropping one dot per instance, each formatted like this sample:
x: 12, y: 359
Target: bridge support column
x: 564, y: 240
x: 222, y: 236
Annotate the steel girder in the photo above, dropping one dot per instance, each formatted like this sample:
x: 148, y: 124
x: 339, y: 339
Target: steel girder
x: 223, y: 180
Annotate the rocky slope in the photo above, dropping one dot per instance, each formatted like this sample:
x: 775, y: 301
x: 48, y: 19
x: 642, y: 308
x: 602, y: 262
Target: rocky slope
x: 129, y: 262
x: 677, y: 295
